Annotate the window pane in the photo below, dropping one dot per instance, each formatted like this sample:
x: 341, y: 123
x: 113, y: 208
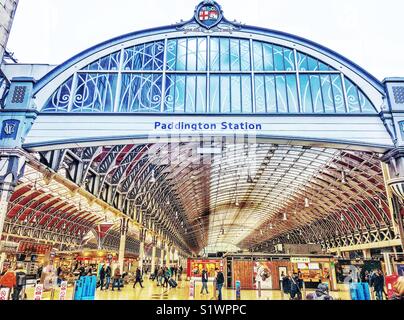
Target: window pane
x: 235, y: 94
x: 180, y: 94
x: 278, y: 56
x: 281, y: 96
x: 316, y: 94
x: 327, y: 94
x: 201, y: 94
x: 258, y: 58
x: 366, y: 105
x: 170, y: 94
x: 171, y: 54
x: 260, y: 103
x: 191, y: 94
x: 214, y: 54
x: 182, y: 55
x: 270, y: 94
x: 245, y: 55
x: 247, y: 94
x: 302, y: 61
x: 202, y: 54
x: 214, y: 94
x: 268, y: 57
x: 289, y: 60
x: 191, y: 64
x: 339, y: 99
x: 224, y: 54
x: 352, y: 95
x: 225, y: 94
x: 292, y: 94
x: 235, y: 54
x: 312, y: 64
x: 305, y: 91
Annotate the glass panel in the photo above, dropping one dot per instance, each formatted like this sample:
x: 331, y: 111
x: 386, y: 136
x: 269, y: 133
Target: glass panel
x: 312, y: 64
x: 366, y: 105
x: 339, y: 99
x: 316, y: 94
x: 180, y: 93
x: 158, y: 55
x: 278, y: 58
x: 235, y: 94
x: 260, y: 103
x: 214, y: 94
x: 323, y: 67
x: 270, y: 94
x: 170, y: 94
x: 352, y: 96
x: 59, y: 101
x: 258, y: 58
x: 247, y: 94
x: 305, y: 92
x: 95, y: 93
x: 171, y: 54
x: 292, y: 93
x: 110, y: 62
x: 268, y: 57
x: 201, y: 94
x: 182, y: 55
x: 235, y: 54
x: 214, y: 54
x: 245, y: 55
x: 327, y: 94
x: 302, y: 61
x: 191, y: 94
x: 224, y: 54
x: 191, y: 66
x: 202, y: 52
x: 225, y: 94
x: 289, y: 59
x: 281, y: 96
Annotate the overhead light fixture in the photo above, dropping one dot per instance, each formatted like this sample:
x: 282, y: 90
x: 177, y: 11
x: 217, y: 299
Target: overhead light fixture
x: 249, y: 178
x: 237, y: 203
x: 271, y: 226
x: 262, y: 232
x: 26, y: 220
x: 168, y: 202
x: 285, y: 217
x: 380, y: 204
x: 306, y: 203
x: 288, y: 236
x: 34, y: 220
x: 342, y: 217
x: 176, y: 214
x: 343, y: 180
x: 64, y: 226
x: 301, y: 232
x: 153, y: 178
x: 222, y: 232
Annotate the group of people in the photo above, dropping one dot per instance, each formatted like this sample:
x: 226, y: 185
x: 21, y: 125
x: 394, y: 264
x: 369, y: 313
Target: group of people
x: 376, y: 281
x: 163, y: 274
x: 292, y: 285
x: 16, y: 281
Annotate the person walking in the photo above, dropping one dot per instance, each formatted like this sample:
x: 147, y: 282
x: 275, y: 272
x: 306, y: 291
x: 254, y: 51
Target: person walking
x: 219, y: 283
x: 167, y: 276
x: 138, y: 278
x: 205, y: 280
x: 108, y: 273
x: 160, y: 275
x: 286, y: 285
x: 378, y: 284
x: 21, y: 282
x: 102, y: 276
x: 295, y: 292
x: 117, y: 279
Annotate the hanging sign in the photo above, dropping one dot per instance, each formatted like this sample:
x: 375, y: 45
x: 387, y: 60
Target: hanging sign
x: 300, y: 260
x: 4, y: 294
x: 38, y: 292
x: 63, y: 290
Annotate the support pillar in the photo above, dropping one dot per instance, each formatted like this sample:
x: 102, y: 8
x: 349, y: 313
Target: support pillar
x: 153, y: 259
x: 367, y: 254
x: 168, y: 255
x: 122, y: 244
x: 141, y: 249
x: 162, y: 255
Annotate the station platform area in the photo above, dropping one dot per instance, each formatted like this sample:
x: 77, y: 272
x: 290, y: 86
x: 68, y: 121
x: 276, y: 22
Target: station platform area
x: 152, y: 292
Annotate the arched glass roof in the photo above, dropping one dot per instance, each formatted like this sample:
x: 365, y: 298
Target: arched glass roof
x: 209, y: 74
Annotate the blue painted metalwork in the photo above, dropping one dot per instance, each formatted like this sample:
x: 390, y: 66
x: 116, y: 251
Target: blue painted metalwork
x: 209, y: 75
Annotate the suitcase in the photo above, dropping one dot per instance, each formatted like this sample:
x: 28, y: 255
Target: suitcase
x: 172, y: 283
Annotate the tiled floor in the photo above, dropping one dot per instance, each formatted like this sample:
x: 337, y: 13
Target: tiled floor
x: 152, y: 292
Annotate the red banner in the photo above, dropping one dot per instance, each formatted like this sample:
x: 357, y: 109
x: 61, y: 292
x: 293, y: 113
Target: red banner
x: 390, y: 282
x: 36, y: 248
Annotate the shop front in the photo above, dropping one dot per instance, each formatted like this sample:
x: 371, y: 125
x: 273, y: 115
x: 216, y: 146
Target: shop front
x: 196, y: 266
x: 266, y: 271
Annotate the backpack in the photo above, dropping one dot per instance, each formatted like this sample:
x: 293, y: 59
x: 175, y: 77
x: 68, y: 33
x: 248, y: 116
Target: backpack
x: 21, y: 279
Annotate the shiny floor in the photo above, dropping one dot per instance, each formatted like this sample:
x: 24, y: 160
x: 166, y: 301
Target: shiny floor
x: 182, y: 292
